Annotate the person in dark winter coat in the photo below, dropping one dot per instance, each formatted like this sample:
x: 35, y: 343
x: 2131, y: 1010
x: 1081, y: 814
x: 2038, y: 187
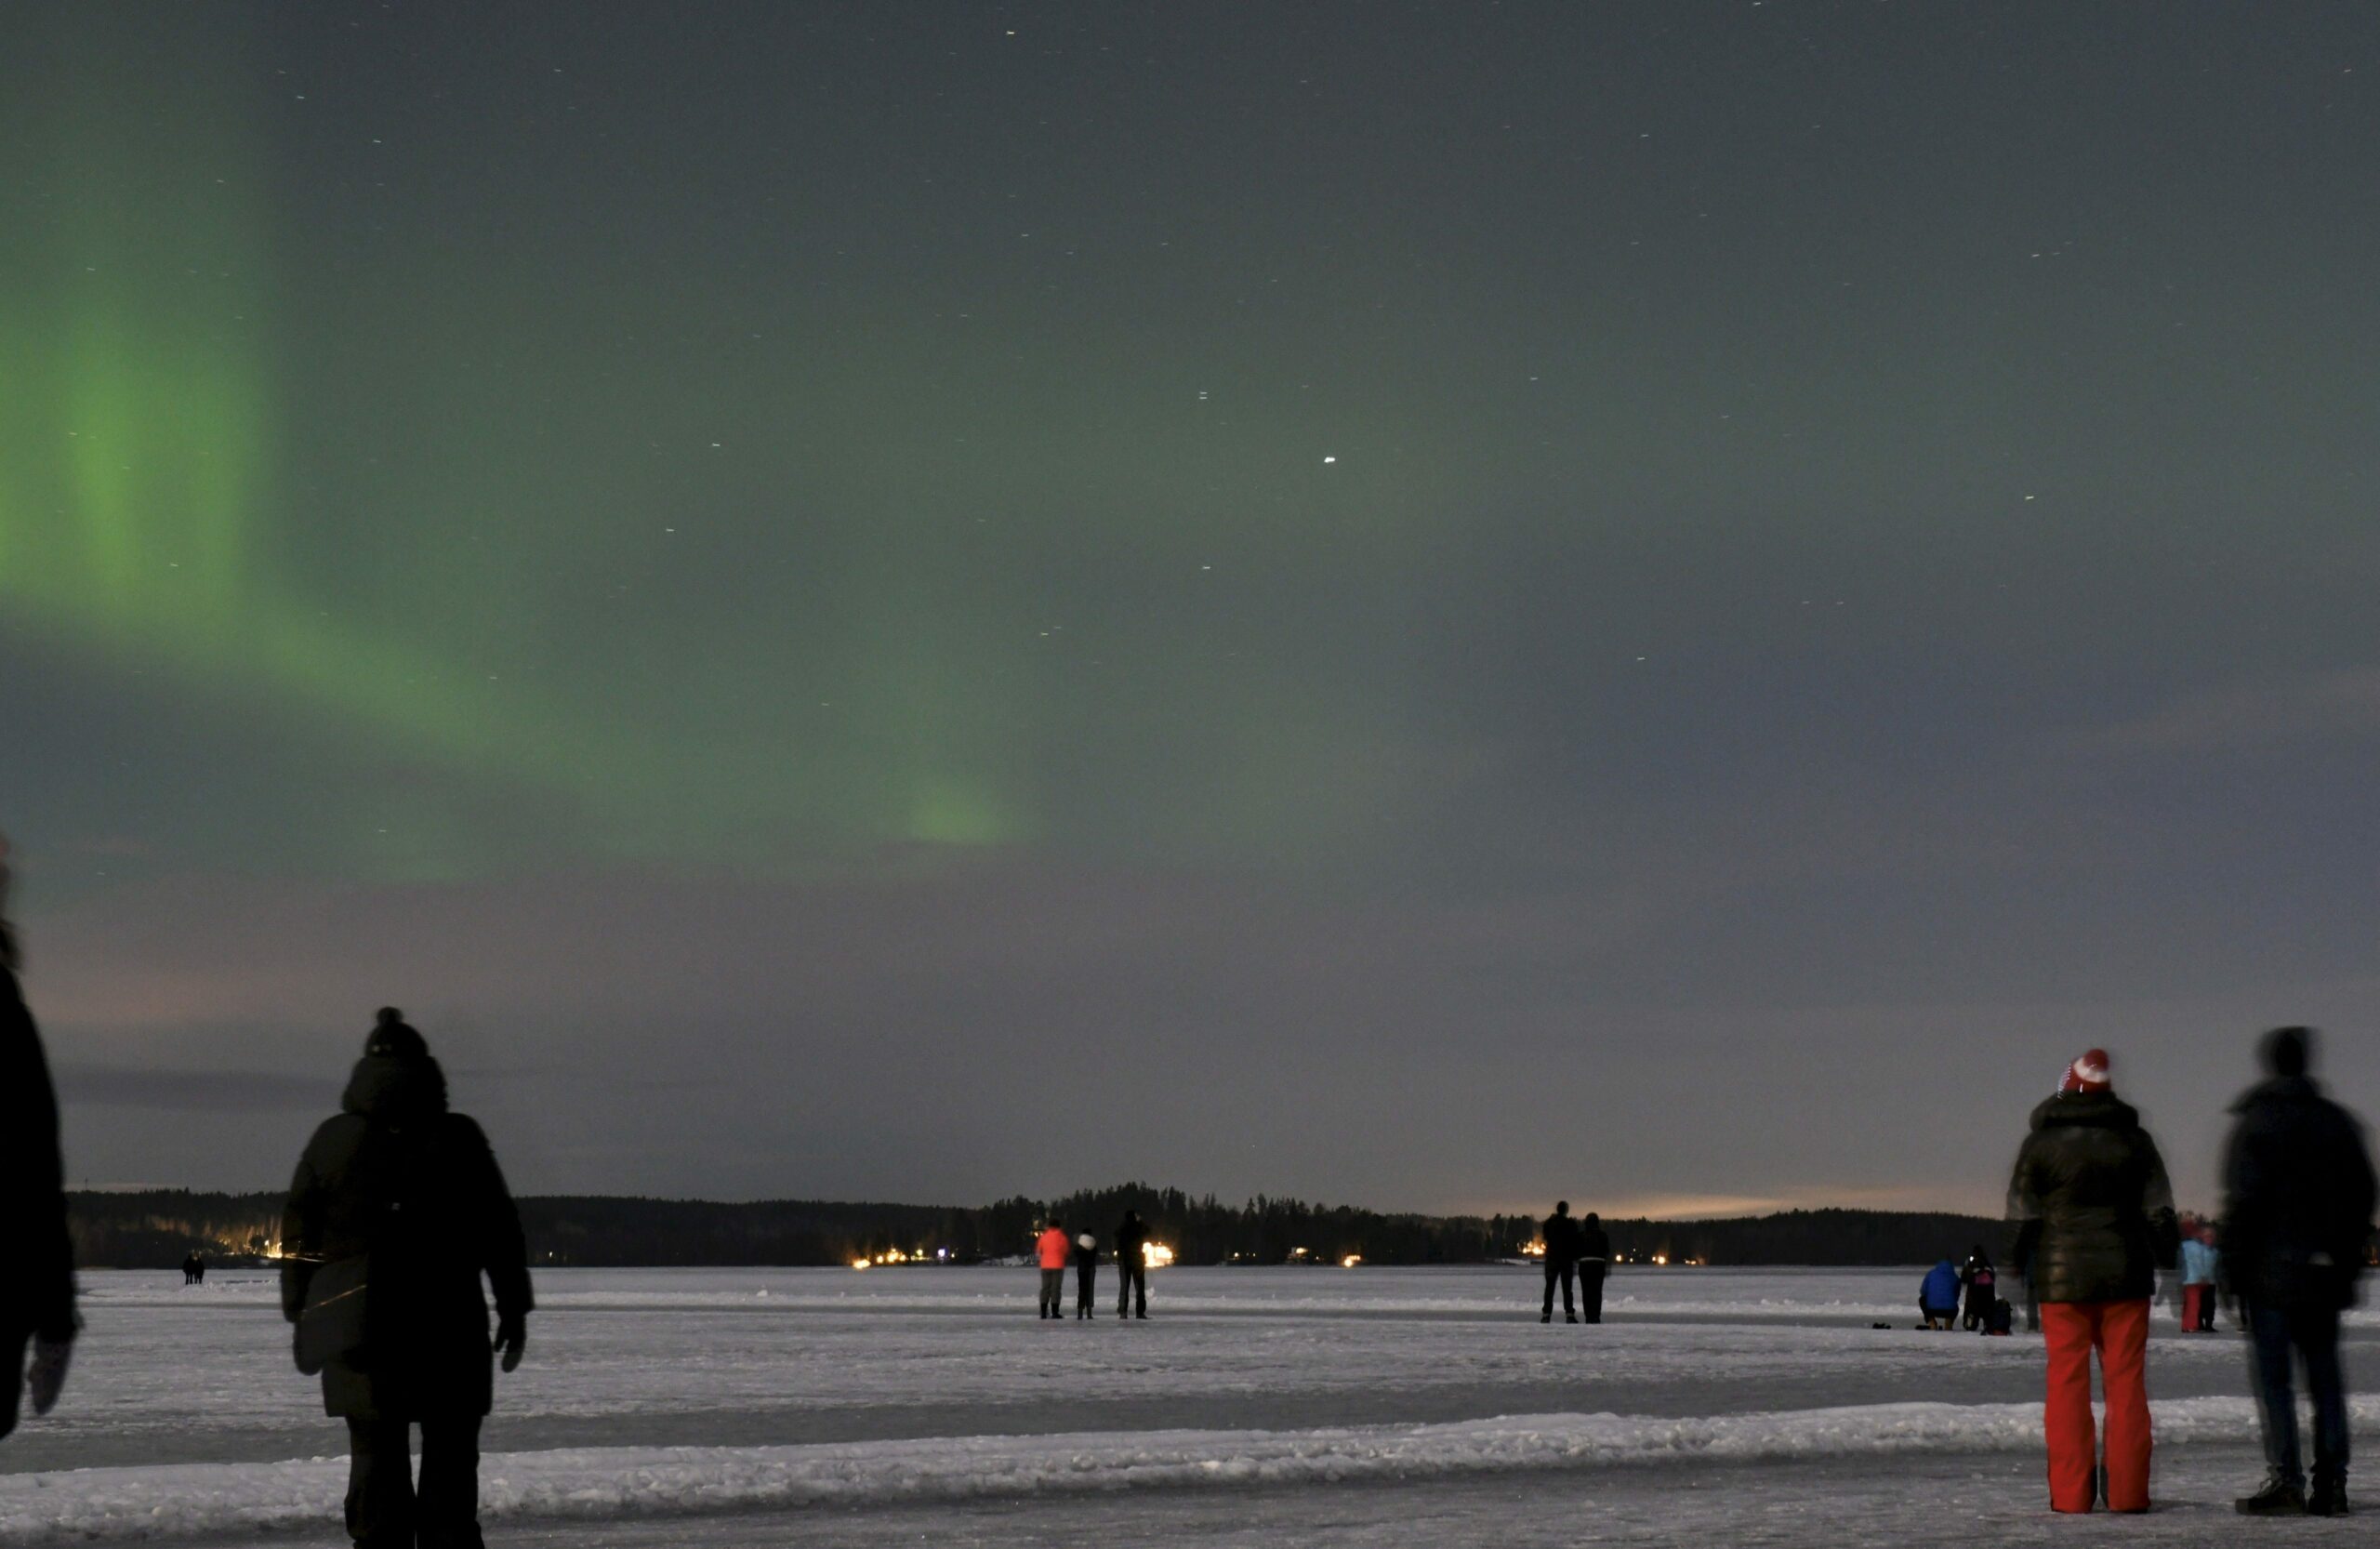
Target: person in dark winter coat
x: 397, y: 1209
x: 1980, y: 1283
x: 193, y: 1270
x: 1086, y: 1273
x: 2095, y: 1220
x: 1559, y: 1236
x: 37, y: 1295
x: 2298, y: 1205
x: 1594, y: 1262
x: 1132, y: 1266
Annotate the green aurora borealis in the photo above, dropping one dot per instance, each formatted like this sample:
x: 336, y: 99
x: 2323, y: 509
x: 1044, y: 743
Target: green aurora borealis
x: 680, y: 613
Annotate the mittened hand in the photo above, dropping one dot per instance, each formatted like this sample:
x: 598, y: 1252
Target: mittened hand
x: 47, y: 1377
x: 511, y: 1338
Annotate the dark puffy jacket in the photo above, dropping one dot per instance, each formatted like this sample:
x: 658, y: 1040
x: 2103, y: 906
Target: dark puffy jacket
x: 2297, y: 1197
x: 1594, y: 1249
x: 1560, y: 1234
x: 2094, y: 1211
x: 37, y: 1293
x: 1131, y: 1236
x: 413, y: 1191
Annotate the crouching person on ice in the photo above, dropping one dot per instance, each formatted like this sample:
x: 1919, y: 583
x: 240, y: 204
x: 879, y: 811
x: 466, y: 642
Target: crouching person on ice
x: 2095, y: 1219
x: 397, y: 1209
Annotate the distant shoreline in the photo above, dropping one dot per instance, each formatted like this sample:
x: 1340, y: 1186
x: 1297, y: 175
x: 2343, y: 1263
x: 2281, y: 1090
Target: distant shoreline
x: 157, y: 1228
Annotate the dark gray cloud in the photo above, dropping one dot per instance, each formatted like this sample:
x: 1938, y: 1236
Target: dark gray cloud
x: 214, y: 1092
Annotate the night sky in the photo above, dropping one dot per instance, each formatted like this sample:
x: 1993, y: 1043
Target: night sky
x: 1670, y: 603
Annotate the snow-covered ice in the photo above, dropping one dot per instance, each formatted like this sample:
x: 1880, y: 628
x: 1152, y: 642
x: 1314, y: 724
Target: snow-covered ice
x: 664, y: 1396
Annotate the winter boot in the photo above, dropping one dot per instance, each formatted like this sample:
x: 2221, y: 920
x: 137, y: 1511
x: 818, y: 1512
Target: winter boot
x: 2328, y: 1500
x: 2279, y: 1497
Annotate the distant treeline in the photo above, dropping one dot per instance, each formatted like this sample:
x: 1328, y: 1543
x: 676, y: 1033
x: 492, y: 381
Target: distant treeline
x: 157, y: 1228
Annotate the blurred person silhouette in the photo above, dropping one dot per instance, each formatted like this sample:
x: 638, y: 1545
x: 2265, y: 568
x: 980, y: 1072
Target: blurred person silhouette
x: 1559, y: 1236
x: 37, y: 1296
x: 1132, y: 1266
x: 2095, y: 1214
x: 396, y: 1211
x: 2297, y: 1206
x: 1052, y: 1250
x: 1594, y: 1262
x: 1086, y: 1273
x: 194, y: 1269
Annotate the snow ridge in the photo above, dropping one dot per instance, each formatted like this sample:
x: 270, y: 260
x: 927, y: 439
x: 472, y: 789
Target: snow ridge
x: 136, y: 1504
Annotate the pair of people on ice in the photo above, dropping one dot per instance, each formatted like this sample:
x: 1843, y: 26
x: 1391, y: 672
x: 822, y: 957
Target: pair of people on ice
x: 1053, y: 1251
x: 2096, y: 1218
x: 1575, y: 1253
x: 1974, y: 1283
x: 2202, y: 1267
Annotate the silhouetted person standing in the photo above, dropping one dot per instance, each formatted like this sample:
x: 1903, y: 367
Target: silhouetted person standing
x: 397, y: 1209
x: 37, y: 1294
x: 2298, y: 1203
x: 193, y: 1270
x: 1594, y: 1262
x: 1559, y: 1236
x: 1132, y: 1266
x: 2095, y: 1219
x: 1086, y: 1273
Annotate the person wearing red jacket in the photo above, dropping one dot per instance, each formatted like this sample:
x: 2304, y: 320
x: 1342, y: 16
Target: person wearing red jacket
x: 1052, y: 1251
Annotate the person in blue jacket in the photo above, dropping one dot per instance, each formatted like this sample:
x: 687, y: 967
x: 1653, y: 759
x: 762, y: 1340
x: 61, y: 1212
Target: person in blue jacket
x: 1937, y: 1299
x: 2198, y: 1280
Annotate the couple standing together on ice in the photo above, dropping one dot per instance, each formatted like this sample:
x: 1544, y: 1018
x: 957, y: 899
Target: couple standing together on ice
x: 2095, y: 1214
x: 1053, y: 1251
x: 1574, y: 1248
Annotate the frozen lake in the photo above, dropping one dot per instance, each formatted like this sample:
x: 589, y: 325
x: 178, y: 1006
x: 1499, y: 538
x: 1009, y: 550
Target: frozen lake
x: 735, y: 1407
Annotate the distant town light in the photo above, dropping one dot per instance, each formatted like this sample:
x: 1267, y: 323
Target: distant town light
x: 1155, y: 1256
x: 1351, y: 1261
x: 859, y: 1264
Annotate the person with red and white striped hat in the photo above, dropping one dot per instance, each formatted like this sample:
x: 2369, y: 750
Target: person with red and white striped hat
x: 2096, y: 1218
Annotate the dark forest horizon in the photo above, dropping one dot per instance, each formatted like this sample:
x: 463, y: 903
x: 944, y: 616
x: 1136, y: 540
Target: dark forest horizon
x: 155, y: 1228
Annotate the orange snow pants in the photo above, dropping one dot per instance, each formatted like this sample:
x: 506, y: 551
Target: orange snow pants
x: 2119, y: 1330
